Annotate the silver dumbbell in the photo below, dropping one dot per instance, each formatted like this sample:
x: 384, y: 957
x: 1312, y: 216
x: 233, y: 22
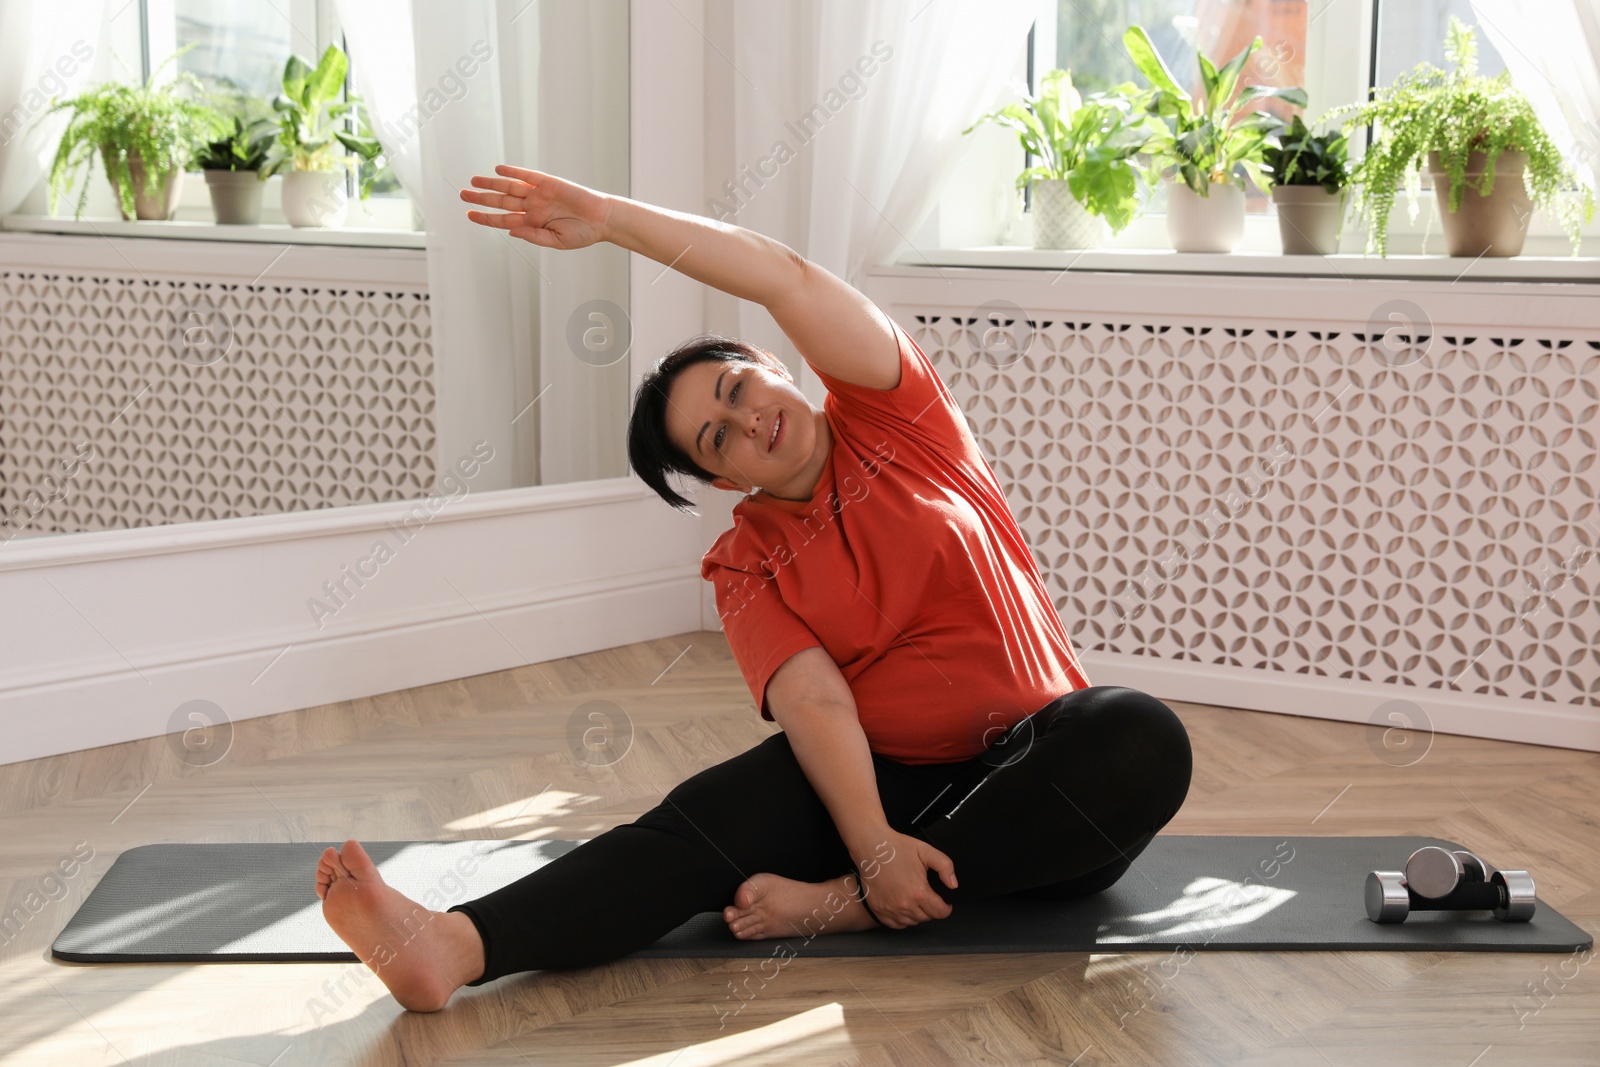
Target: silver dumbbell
x: 1437, y: 879
x: 1435, y: 872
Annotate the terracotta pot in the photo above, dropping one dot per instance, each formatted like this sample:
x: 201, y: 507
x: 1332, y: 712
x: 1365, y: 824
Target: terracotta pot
x: 235, y: 196
x: 1308, y: 219
x: 1493, y: 225
x: 1211, y: 223
x: 315, y: 198
x: 1059, y: 221
x: 159, y: 202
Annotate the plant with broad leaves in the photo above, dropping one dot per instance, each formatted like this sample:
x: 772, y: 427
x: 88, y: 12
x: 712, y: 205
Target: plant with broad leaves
x: 1211, y: 137
x: 245, y: 149
x: 309, y: 114
x: 1091, y: 142
x: 1296, y: 156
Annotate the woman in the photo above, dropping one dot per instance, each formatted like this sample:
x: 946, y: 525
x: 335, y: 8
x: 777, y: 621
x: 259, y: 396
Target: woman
x: 939, y: 741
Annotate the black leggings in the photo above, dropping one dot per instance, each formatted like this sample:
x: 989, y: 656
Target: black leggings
x: 1057, y: 807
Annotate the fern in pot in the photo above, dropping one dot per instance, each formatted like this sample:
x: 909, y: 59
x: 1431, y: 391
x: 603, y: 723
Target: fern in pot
x: 232, y: 167
x: 1491, y: 160
x: 1088, y: 177
x: 1210, y: 142
x: 306, y: 149
x: 144, y: 135
x: 1309, y: 173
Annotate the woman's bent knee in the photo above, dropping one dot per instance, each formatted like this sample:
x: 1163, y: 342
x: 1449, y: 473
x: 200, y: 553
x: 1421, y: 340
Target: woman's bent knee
x: 1138, y: 735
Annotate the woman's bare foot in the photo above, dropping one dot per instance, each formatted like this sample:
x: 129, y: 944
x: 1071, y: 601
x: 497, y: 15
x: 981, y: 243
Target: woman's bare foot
x: 422, y: 956
x: 769, y: 905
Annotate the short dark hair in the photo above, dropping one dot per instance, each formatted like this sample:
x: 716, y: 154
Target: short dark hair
x: 651, y: 453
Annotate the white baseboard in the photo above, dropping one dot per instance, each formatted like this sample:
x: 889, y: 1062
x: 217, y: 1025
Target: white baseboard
x: 112, y: 635
x: 1385, y: 707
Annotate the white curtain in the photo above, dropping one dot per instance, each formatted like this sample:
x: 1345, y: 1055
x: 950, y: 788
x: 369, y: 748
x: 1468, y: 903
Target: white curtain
x: 846, y: 121
x: 1552, y: 49
x: 383, y: 48
x: 46, y: 50
x: 454, y: 90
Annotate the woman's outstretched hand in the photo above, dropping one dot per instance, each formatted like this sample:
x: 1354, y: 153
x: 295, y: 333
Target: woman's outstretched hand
x: 896, y: 881
x: 539, y: 208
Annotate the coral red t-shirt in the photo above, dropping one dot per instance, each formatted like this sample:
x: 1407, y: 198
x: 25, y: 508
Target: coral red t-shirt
x: 907, y: 567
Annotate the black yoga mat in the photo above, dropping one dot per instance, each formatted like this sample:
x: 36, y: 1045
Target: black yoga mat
x: 254, y: 902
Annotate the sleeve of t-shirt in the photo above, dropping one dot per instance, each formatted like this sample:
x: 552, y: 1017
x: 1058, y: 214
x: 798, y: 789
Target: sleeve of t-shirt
x: 762, y: 631
x: 920, y: 406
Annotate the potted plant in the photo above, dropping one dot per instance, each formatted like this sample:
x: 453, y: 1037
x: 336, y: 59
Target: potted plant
x: 1470, y: 129
x: 1210, y: 142
x: 1088, y: 176
x: 1308, y: 173
x: 305, y: 150
x: 232, y: 166
x: 145, y: 136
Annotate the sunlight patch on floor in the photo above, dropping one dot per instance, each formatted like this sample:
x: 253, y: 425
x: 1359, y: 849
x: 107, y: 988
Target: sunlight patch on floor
x: 1207, y: 905
x: 523, y: 814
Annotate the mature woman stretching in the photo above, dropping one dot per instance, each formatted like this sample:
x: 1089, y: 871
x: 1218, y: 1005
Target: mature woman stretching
x: 939, y: 741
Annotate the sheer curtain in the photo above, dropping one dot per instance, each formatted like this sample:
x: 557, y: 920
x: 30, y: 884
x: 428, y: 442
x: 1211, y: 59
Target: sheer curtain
x: 1552, y: 49
x: 846, y: 119
x: 454, y: 90
x: 54, y: 49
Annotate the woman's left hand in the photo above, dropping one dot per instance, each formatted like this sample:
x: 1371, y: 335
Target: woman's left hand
x: 539, y: 208
x: 895, y: 879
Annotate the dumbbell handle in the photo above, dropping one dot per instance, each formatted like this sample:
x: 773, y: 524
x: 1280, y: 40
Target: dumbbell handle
x: 1469, y: 896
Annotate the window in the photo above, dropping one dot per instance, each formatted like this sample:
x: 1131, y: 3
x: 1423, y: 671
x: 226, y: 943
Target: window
x: 239, y: 50
x: 1411, y: 31
x: 1335, y: 49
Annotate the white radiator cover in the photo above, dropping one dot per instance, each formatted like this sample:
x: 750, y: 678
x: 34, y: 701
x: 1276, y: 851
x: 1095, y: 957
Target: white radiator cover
x: 1241, y: 491
x: 141, y: 398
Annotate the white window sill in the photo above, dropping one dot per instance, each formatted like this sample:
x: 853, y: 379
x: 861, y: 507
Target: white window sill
x: 264, y: 233
x: 1523, y: 268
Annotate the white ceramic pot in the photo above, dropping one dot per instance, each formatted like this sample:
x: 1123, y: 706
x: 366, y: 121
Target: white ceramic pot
x: 1059, y: 221
x: 1211, y: 223
x: 315, y: 198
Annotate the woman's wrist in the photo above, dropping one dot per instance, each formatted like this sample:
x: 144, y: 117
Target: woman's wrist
x: 868, y: 841
x: 605, y: 225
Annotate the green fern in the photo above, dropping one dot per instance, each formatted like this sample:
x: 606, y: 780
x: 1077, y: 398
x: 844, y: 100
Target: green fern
x: 1456, y: 113
x: 160, y: 125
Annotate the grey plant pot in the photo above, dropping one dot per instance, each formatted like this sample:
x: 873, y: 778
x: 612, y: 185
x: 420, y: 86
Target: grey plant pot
x: 235, y: 196
x: 1308, y: 219
x: 1493, y: 225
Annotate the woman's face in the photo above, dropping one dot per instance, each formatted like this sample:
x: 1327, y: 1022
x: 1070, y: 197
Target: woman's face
x: 723, y: 414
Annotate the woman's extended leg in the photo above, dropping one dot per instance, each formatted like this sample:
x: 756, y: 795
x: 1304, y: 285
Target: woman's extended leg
x: 621, y: 891
x: 1062, y: 805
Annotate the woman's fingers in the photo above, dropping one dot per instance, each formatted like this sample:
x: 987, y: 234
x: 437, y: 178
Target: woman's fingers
x: 506, y: 221
x: 510, y: 186
x: 509, y: 201
x: 532, y: 177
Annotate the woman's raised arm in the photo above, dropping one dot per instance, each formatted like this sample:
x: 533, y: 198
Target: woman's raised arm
x: 833, y: 326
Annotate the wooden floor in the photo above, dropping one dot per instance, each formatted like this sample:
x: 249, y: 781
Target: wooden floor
x: 490, y: 756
